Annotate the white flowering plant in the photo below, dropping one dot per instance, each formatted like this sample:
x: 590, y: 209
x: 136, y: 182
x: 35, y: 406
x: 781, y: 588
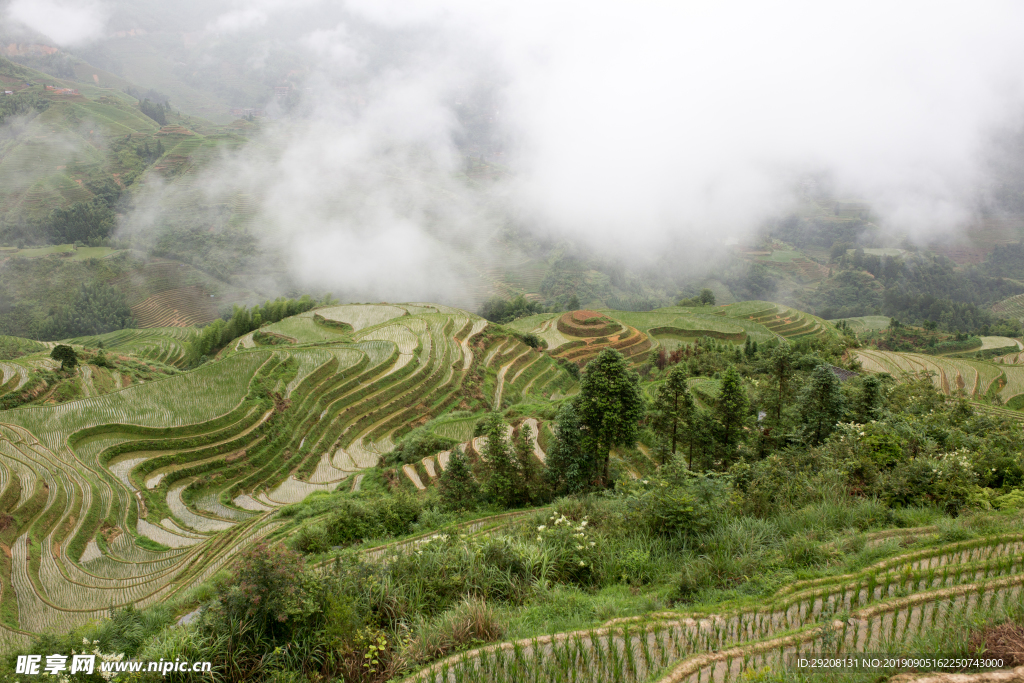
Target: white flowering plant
x: 571, y: 549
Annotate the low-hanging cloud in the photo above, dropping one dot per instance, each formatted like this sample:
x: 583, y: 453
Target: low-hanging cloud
x: 629, y: 127
x: 651, y: 120
x: 68, y: 23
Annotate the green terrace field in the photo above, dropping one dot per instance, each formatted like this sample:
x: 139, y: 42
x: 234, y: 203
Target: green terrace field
x: 998, y: 343
x: 672, y: 326
x: 779, y: 320
x: 790, y: 263
x: 166, y: 293
x: 63, y: 250
x: 976, y: 378
x: 136, y: 495
x: 163, y: 344
x: 1012, y: 307
x: 141, y: 493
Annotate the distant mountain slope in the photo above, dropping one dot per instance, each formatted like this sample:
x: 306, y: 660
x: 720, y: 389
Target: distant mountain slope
x: 68, y: 142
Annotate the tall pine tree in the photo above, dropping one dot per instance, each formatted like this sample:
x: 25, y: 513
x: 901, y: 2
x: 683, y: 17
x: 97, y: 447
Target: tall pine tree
x: 571, y: 467
x: 782, y: 364
x: 458, y: 489
x: 869, y: 403
x: 504, y: 482
x: 673, y: 409
x: 531, y: 486
x: 731, y: 415
x: 610, y: 405
x: 822, y: 404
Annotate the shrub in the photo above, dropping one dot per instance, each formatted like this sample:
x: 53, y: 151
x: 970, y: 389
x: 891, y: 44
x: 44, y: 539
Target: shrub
x: 1014, y: 500
x: 312, y: 539
x: 694, y: 577
x: 805, y: 550
x: 270, y: 590
x: 358, y: 520
x: 417, y: 445
x: 948, y: 480
x: 636, y: 567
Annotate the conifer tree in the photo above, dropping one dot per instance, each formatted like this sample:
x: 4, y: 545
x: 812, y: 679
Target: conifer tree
x: 504, y: 481
x: 672, y: 411
x: 610, y: 405
x: 870, y: 399
x: 782, y: 365
x: 530, y: 484
x: 731, y: 414
x: 571, y: 467
x: 458, y: 489
x: 822, y: 404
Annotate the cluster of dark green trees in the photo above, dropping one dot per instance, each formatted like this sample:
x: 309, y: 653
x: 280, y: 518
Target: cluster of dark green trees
x: 605, y: 414
x: 82, y: 222
x: 95, y: 309
x: 150, y: 154
x: 21, y: 104
x: 796, y: 399
x: 768, y: 399
x: 916, y: 288
x: 512, y: 477
x: 155, y: 110
x: 501, y: 311
x: 244, y: 320
x: 706, y: 297
x: 91, y: 222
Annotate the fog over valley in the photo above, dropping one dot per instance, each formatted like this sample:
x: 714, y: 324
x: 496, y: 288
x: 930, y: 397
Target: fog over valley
x: 634, y: 132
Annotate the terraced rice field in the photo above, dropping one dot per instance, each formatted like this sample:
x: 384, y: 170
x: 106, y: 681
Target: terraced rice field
x: 197, y: 462
x: 780, y: 320
x: 665, y: 326
x: 1012, y: 307
x: 165, y: 293
x: 695, y: 322
x: 303, y: 330
x: 163, y: 344
x: 999, y: 343
x: 629, y: 341
x: 975, y: 378
x: 361, y: 316
x: 181, y: 307
x: 887, y: 603
x: 544, y: 326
